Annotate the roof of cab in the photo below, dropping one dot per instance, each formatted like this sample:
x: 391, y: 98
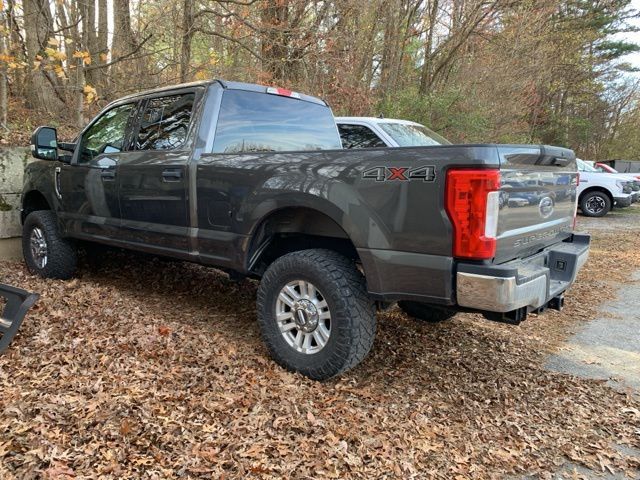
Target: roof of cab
x: 374, y: 120
x: 227, y: 85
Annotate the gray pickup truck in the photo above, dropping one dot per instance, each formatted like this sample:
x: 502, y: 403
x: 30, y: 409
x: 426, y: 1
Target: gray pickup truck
x: 253, y: 180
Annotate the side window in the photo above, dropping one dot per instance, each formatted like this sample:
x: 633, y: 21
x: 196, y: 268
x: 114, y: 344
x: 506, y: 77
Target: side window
x: 359, y: 136
x: 165, y: 122
x: 107, y: 134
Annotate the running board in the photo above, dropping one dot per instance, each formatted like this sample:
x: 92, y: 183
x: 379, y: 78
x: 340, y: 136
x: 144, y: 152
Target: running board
x: 18, y: 303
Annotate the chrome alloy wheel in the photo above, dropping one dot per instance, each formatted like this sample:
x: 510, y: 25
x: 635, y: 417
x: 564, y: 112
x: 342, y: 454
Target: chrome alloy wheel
x: 303, y: 317
x: 595, y: 205
x: 39, y: 250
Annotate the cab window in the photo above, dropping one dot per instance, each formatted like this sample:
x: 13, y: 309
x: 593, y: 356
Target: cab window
x: 107, y: 134
x: 258, y: 122
x: 165, y: 122
x: 359, y: 136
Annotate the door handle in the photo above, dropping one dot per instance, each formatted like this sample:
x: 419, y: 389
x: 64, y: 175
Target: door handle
x: 107, y: 175
x: 171, y: 175
x: 56, y: 182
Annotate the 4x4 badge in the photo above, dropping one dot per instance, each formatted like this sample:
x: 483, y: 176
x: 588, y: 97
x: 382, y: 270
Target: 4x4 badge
x: 402, y: 174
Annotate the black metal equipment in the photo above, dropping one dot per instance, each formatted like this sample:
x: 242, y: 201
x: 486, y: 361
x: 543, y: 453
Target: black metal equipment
x: 18, y: 303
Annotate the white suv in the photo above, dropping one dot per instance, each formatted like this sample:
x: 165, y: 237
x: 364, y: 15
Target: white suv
x: 598, y: 192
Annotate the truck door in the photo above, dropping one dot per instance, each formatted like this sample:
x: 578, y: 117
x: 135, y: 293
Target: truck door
x: 153, y: 179
x: 88, y: 187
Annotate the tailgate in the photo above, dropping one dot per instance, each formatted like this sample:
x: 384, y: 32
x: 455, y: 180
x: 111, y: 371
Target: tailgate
x: 537, y: 199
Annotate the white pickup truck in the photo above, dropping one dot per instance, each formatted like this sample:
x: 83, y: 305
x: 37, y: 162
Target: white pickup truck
x: 598, y: 192
x: 373, y: 132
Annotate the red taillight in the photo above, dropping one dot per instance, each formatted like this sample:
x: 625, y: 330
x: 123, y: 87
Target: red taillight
x: 473, y: 211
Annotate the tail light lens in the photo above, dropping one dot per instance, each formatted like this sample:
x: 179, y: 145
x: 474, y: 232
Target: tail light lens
x: 473, y: 203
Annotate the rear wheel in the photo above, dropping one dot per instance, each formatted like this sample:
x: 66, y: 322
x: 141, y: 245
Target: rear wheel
x: 45, y: 252
x: 595, y: 204
x: 427, y: 313
x: 315, y: 314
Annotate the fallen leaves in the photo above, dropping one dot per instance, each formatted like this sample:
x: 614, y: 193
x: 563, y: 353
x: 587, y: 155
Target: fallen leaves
x: 149, y: 371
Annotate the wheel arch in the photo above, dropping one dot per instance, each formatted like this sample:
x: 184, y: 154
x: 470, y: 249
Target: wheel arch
x: 292, y: 228
x: 32, y: 201
x: 597, y: 189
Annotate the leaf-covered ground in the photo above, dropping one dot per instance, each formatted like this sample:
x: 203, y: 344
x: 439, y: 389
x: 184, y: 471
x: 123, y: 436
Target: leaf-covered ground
x: 142, y: 368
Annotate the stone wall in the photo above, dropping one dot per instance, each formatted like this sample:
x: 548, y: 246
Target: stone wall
x: 12, y: 163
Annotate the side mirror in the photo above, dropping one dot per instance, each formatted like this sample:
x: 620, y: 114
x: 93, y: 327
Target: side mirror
x: 44, y: 143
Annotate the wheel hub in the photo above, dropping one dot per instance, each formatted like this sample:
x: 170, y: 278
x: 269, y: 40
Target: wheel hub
x: 303, y: 317
x: 595, y: 204
x: 305, y: 314
x: 38, y: 245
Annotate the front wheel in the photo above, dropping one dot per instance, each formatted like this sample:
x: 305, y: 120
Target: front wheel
x: 595, y: 204
x: 315, y: 314
x: 45, y: 251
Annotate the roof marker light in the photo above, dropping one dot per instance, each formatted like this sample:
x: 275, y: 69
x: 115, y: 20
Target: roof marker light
x: 283, y: 92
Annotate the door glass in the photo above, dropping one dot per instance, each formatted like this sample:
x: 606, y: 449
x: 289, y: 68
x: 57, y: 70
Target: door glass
x: 165, y: 122
x: 107, y: 134
x: 359, y: 136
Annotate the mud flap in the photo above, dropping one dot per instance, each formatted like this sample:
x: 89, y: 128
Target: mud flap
x: 18, y: 303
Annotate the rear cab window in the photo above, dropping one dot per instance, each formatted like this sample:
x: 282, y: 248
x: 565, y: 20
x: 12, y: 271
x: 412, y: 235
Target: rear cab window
x: 260, y: 122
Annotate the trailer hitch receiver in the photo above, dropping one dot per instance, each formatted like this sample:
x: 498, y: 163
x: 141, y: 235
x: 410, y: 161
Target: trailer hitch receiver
x: 17, y: 304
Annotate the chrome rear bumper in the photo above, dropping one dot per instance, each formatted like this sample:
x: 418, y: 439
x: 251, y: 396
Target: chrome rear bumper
x: 529, y: 283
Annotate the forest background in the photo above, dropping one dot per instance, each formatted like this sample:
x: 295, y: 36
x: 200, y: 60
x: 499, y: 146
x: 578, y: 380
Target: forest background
x: 532, y: 71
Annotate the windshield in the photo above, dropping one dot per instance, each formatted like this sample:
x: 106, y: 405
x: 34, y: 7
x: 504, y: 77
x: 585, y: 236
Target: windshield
x: 584, y: 166
x: 409, y: 135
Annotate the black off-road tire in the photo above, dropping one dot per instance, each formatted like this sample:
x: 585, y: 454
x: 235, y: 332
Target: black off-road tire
x: 425, y: 312
x: 589, y: 197
x: 353, y: 314
x: 61, y: 253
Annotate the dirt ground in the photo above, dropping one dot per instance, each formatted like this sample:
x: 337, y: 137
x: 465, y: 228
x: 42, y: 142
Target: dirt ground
x: 143, y: 368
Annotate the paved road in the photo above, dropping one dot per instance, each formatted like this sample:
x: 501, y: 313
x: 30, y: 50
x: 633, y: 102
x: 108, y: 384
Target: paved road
x: 608, y: 347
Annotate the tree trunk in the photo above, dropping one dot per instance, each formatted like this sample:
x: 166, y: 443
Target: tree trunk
x: 124, y: 44
x: 425, y: 74
x: 90, y: 34
x: 275, y: 41
x: 187, y: 35
x: 4, y: 105
x: 38, y: 26
x: 99, y: 55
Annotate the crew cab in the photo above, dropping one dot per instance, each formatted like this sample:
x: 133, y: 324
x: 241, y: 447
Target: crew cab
x: 253, y: 180
x: 598, y: 193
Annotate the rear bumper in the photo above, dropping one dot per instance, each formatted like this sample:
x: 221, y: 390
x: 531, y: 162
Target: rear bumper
x: 529, y: 283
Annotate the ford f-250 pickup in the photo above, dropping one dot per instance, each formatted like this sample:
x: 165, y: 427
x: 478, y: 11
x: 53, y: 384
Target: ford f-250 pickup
x: 253, y: 180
